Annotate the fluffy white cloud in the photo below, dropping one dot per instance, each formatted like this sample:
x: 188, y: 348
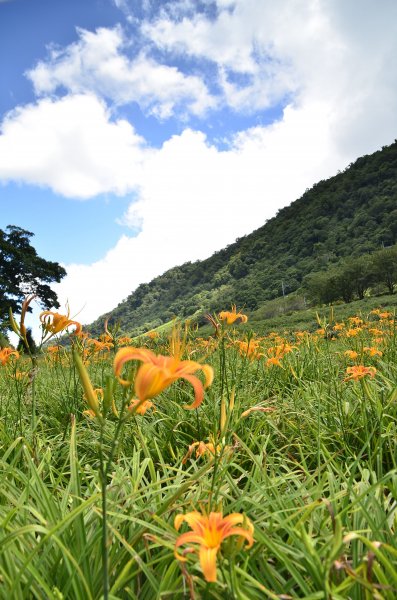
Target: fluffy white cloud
x: 97, y: 63
x: 195, y: 199
x: 71, y: 146
x: 308, y: 50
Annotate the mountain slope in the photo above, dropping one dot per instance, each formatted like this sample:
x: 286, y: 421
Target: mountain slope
x: 350, y: 214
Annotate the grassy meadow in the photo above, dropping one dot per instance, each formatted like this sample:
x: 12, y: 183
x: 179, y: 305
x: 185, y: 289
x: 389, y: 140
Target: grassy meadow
x: 240, y: 465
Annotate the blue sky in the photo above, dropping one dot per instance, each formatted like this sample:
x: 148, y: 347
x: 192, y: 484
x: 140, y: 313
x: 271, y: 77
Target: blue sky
x: 139, y: 135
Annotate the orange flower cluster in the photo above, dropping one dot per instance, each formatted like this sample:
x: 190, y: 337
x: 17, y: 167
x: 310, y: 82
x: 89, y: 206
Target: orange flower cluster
x: 250, y: 348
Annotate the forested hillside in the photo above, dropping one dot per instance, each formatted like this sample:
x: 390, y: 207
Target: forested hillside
x: 350, y: 214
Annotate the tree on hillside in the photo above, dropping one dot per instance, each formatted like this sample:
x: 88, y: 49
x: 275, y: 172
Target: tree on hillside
x: 23, y: 272
x: 359, y: 272
x: 385, y: 266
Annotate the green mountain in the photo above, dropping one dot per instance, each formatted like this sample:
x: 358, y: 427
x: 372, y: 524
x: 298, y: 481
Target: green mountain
x: 348, y: 215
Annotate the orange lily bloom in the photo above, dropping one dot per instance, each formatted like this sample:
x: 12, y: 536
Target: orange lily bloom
x: 385, y: 315
x: 356, y: 320
x: 353, y: 332
x: 99, y: 346
x: 376, y: 331
x: 6, y: 353
x: 53, y: 322
x: 351, y: 354
x: 372, y: 351
x: 273, y: 361
x: 249, y: 349
x: 21, y: 376
x: 124, y: 341
x: 139, y: 408
x: 358, y: 372
x: 158, y: 372
x: 201, y: 449
x: 209, y: 532
x: 231, y: 316
x: 153, y: 335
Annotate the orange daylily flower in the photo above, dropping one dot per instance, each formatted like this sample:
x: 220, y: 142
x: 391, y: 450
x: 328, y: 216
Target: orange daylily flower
x: 249, y: 349
x: 356, y: 320
x: 351, y: 354
x: 385, y: 315
x: 273, y: 362
x: 358, y: 372
x: 98, y: 346
x: 6, y: 353
x: 139, y: 408
x: 353, y: 332
x: 372, y: 351
x: 209, y: 531
x: 124, y: 341
x: 158, y: 372
x: 209, y: 344
x: 54, y: 322
x: 201, y: 449
x: 54, y: 349
x: 152, y: 335
x: 231, y: 316
x: 21, y: 376
x: 375, y: 331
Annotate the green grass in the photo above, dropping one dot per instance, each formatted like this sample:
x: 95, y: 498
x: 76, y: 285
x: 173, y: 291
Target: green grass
x: 316, y: 474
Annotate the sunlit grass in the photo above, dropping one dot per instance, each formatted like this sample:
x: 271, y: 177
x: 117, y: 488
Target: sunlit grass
x: 303, y: 449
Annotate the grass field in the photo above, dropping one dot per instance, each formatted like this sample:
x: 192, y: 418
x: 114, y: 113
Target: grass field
x: 242, y: 465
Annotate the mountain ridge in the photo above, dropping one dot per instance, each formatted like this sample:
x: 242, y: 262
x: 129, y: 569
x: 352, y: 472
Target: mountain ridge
x: 350, y: 214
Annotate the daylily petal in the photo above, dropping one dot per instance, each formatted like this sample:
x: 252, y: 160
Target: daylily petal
x: 195, y: 520
x: 126, y: 354
x: 208, y: 374
x: 150, y: 381
x: 198, y: 391
x: 242, y: 532
x: 190, y: 537
x: 208, y: 562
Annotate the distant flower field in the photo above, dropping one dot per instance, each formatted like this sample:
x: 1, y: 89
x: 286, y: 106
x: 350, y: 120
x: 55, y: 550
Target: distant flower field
x: 231, y: 466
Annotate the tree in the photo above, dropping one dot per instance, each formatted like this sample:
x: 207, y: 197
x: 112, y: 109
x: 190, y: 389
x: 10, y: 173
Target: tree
x: 23, y: 272
x: 385, y: 267
x: 31, y: 344
x: 359, y: 272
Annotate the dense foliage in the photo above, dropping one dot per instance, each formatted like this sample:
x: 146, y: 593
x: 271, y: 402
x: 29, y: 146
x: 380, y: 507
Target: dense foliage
x: 23, y: 272
x: 354, y: 277
x: 349, y: 215
x: 290, y: 453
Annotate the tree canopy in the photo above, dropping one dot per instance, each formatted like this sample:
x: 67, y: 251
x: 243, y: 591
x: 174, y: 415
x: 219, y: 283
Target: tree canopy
x: 23, y: 272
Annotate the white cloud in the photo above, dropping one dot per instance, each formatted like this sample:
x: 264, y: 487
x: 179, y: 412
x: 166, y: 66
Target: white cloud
x: 195, y: 199
x: 71, y: 146
x: 97, y: 63
x: 306, y: 50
